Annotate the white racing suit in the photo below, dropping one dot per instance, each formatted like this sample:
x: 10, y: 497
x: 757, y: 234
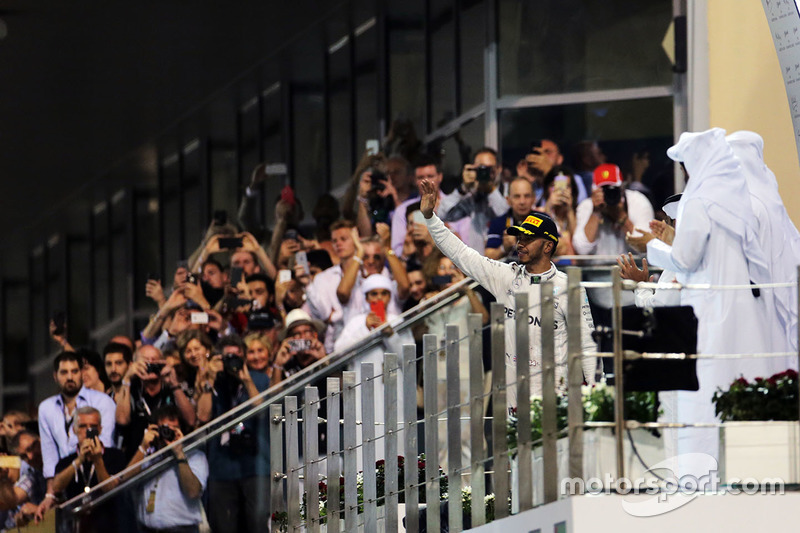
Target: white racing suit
x: 503, y: 280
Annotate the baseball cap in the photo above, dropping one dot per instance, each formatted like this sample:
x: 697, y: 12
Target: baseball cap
x: 607, y: 174
x: 538, y: 225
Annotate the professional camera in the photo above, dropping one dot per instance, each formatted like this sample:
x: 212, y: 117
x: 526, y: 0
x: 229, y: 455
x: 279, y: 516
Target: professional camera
x: 612, y: 195
x: 232, y: 364
x: 483, y: 173
x: 165, y: 435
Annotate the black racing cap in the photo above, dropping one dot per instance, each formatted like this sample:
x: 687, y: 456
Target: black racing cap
x: 537, y: 225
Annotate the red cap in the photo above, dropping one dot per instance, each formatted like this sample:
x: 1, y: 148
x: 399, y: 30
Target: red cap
x: 607, y: 174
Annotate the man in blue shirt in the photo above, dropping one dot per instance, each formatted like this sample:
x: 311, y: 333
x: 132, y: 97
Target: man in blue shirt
x: 57, y: 412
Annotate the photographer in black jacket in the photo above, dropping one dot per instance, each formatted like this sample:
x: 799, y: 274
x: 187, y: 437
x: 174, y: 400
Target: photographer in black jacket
x: 238, y: 485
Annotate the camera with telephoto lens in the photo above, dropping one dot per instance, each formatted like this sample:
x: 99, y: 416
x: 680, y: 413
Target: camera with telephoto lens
x: 612, y: 195
x: 483, y: 173
x: 165, y: 435
x: 232, y: 363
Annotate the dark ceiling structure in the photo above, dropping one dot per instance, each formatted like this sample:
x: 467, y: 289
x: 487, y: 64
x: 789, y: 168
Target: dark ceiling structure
x: 86, y: 88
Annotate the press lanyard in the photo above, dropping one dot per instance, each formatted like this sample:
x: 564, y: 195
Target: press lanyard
x: 86, y: 480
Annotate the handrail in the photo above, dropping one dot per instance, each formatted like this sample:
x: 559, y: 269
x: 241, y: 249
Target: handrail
x: 294, y: 384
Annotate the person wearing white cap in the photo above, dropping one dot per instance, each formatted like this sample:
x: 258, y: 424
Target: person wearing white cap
x: 715, y: 243
x: 777, y: 234
x: 378, y: 291
x: 300, y: 344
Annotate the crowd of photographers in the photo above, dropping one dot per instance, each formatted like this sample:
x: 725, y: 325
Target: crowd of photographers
x: 252, y: 307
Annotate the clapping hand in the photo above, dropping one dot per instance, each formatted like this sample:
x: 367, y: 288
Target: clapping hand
x: 662, y: 231
x: 629, y: 270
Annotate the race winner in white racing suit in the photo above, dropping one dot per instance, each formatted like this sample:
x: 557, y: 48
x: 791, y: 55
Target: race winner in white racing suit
x: 537, y: 238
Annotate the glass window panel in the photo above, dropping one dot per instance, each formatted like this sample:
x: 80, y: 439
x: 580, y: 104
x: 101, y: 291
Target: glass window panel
x: 16, y: 344
x: 120, y: 267
x: 457, y: 151
x: 249, y: 146
x: 271, y: 147
x: 272, y: 142
x: 171, y: 215
x: 363, y: 10
x: 551, y: 46
x: 193, y: 218
x: 79, y: 280
x: 39, y: 319
x: 367, y: 126
x: 224, y: 188
x: 340, y: 113
x: 308, y: 111
x: 616, y: 126
x: 443, y: 62
x: 120, y: 258
x: 407, y: 72
x: 170, y: 174
x: 472, y: 41
x: 146, y: 249
x: 100, y: 261
x: 171, y: 231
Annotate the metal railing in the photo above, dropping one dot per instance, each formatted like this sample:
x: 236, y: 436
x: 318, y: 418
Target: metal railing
x: 296, y: 468
x: 293, y: 384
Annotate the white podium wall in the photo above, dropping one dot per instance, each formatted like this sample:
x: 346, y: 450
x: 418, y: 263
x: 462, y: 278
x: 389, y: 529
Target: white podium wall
x: 707, y: 513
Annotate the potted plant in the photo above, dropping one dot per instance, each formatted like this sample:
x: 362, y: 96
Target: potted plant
x: 759, y: 435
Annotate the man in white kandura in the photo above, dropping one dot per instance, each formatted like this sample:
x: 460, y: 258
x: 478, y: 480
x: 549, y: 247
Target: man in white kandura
x: 777, y: 234
x: 537, y: 238
x: 715, y: 243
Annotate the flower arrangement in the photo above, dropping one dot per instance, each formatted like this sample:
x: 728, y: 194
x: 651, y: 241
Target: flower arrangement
x: 774, y: 398
x: 598, y: 406
x: 380, y: 477
x: 280, y: 520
